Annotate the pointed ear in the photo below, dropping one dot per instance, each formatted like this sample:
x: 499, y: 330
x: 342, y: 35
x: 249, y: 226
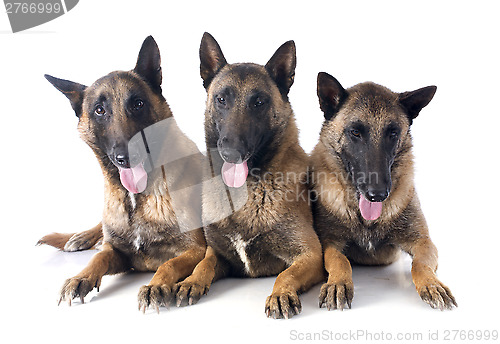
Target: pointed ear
x: 211, y: 58
x: 149, y: 63
x: 415, y: 101
x: 70, y: 89
x: 331, y: 94
x: 281, y: 67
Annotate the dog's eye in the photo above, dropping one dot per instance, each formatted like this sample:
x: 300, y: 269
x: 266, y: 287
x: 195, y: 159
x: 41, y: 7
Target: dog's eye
x: 355, y: 133
x: 221, y: 100
x: 393, y: 134
x: 99, y: 110
x: 258, y: 102
x: 138, y: 104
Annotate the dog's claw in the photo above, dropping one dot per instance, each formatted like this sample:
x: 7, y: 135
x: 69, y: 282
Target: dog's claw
x: 336, y: 295
x: 179, y: 301
x: 76, y: 287
x: 283, y: 305
x: 437, y: 295
x: 154, y: 296
x: 189, y: 293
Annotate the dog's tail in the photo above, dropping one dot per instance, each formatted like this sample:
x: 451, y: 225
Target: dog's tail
x: 71, y: 242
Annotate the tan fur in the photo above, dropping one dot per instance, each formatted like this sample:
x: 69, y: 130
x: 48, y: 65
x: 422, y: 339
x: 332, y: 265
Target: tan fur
x: 401, y: 226
x: 71, y: 242
x: 150, y: 230
x: 263, y: 228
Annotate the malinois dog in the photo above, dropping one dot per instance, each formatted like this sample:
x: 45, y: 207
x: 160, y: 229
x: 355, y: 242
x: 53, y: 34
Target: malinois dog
x: 366, y: 209
x: 254, y: 153
x: 127, y: 122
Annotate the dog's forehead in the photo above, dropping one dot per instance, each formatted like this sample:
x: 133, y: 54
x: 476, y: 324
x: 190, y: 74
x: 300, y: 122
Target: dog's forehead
x: 116, y: 84
x: 373, y: 104
x: 244, y: 77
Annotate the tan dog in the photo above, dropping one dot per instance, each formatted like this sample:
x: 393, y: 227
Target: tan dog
x: 145, y: 160
x: 260, y: 168
x: 366, y: 207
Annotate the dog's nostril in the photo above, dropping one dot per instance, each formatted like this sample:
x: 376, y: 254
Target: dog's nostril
x: 122, y: 160
x: 231, y: 156
x: 377, y: 195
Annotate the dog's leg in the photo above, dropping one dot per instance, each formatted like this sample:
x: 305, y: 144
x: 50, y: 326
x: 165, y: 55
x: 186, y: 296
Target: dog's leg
x: 423, y: 271
x: 159, y: 292
x: 71, y: 242
x: 339, y: 289
x: 305, y: 271
x: 106, y: 262
x: 211, y: 268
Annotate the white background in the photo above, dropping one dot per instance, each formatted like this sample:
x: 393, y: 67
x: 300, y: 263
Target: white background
x: 50, y: 180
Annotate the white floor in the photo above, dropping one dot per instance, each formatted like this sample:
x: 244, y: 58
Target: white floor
x: 385, y: 307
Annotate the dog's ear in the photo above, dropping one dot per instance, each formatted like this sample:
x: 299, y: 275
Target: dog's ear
x: 331, y: 94
x: 281, y: 66
x: 211, y: 59
x: 74, y: 91
x: 149, y: 63
x: 414, y: 101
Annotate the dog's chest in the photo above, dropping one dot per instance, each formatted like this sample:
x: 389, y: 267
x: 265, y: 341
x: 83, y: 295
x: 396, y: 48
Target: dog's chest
x: 369, y: 238
x: 240, y: 246
x: 241, y: 237
x: 139, y: 238
x: 138, y: 226
x: 264, y: 207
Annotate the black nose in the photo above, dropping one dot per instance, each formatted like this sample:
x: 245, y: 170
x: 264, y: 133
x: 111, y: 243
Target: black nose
x: 377, y: 195
x: 122, y: 160
x: 231, y: 155
x: 232, y: 150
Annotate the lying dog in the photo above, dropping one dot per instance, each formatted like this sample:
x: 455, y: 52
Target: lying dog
x: 126, y: 121
x: 256, y: 222
x: 366, y: 207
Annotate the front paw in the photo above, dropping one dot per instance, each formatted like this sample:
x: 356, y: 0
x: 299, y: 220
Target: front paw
x: 336, y: 295
x: 283, y: 305
x: 189, y: 292
x: 437, y: 295
x: 77, y: 287
x: 155, y: 296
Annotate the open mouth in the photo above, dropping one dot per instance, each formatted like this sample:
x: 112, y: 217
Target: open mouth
x: 134, y: 179
x: 234, y: 175
x: 369, y: 210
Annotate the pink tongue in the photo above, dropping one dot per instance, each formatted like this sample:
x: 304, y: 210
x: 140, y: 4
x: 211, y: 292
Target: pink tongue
x: 369, y: 210
x: 234, y: 175
x: 134, y: 179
